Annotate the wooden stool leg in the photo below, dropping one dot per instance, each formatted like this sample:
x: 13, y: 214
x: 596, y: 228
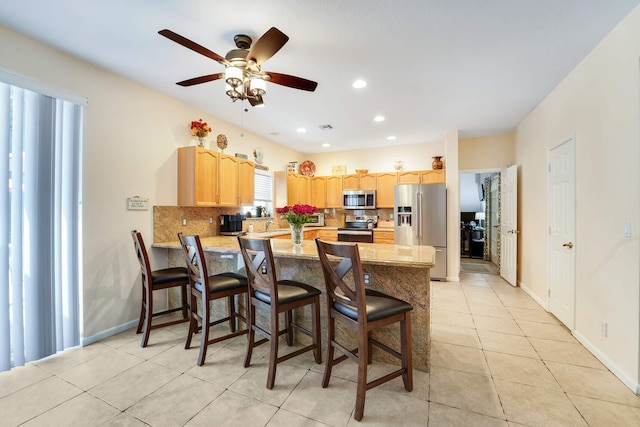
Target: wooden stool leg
x: 406, y: 345
x: 147, y: 319
x: 363, y: 351
x: 288, y: 318
x: 185, y: 306
x: 315, y: 330
x: 193, y: 322
x: 273, y: 357
x: 231, y: 310
x: 143, y: 305
x: 331, y: 335
x: 370, y: 352
x: 251, y: 319
x: 204, y: 339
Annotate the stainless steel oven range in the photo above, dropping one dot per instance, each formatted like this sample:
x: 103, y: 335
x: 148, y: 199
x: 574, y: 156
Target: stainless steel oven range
x: 358, y: 228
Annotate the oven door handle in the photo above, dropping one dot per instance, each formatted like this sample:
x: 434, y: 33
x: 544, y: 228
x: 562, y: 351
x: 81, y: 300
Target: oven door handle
x: 355, y: 232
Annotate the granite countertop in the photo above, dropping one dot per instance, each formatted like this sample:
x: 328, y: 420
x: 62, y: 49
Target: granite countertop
x: 370, y: 253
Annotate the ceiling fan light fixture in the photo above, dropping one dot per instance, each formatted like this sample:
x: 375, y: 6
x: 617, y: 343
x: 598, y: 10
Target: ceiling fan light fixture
x: 234, y: 76
x: 258, y: 86
x: 234, y: 92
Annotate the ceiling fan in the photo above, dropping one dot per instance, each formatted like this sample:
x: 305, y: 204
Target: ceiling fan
x: 243, y: 76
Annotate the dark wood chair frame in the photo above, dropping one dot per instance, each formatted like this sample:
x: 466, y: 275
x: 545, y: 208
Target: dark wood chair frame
x: 346, y: 259
x: 178, y: 277
x: 198, y: 274
x: 261, y: 274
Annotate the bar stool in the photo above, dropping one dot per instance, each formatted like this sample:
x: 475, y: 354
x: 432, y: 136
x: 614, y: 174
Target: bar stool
x: 363, y: 312
x: 154, y: 280
x: 209, y: 288
x: 289, y: 294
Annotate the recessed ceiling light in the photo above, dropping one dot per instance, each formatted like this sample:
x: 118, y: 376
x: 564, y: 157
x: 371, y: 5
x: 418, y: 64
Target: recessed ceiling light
x: 326, y: 145
x: 301, y: 130
x: 391, y: 138
x: 378, y: 119
x: 359, y: 84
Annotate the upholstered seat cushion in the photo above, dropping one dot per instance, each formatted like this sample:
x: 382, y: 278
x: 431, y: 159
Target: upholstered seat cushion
x: 379, y: 306
x: 168, y: 275
x: 224, y: 282
x: 289, y: 291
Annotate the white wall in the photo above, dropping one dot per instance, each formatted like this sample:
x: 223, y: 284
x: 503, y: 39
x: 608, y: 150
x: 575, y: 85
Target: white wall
x: 599, y: 101
x: 130, y: 135
x: 413, y: 157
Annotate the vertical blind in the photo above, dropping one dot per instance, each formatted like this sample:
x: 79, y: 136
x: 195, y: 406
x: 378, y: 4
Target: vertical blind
x: 40, y: 171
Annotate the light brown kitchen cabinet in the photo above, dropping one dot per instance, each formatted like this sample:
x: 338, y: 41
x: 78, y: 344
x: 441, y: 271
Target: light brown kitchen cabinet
x: 197, y: 177
x: 209, y: 178
x: 350, y: 182
x: 228, y: 180
x: 364, y: 181
x: 436, y: 176
x: 246, y: 182
x: 334, y: 191
x: 328, y: 235
x: 319, y: 191
x: 383, y: 236
x: 291, y: 188
x: 409, y: 177
x: 385, y: 181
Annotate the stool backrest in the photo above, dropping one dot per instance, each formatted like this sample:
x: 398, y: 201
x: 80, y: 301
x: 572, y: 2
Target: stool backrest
x: 143, y: 257
x: 346, y: 260
x: 196, y: 264
x: 258, y: 257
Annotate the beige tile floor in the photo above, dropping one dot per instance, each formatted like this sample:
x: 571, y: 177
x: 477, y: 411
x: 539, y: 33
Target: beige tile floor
x: 498, y: 359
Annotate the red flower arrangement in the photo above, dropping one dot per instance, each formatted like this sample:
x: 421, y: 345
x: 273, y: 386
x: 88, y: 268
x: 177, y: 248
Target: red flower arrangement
x: 297, y: 214
x: 200, y: 129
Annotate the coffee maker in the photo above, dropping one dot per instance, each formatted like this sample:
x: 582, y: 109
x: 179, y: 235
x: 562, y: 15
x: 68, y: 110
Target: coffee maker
x: 231, y: 225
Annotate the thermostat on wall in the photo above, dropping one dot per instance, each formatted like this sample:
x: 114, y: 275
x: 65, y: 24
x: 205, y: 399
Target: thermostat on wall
x: 137, y: 203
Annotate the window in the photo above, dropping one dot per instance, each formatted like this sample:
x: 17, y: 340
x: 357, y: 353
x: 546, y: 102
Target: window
x: 40, y: 158
x: 263, y: 192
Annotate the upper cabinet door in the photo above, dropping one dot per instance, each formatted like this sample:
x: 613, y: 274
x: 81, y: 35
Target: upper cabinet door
x: 384, y: 190
x: 319, y: 191
x: 334, y: 191
x: 228, y: 185
x: 246, y: 181
x: 409, y: 177
x: 197, y: 177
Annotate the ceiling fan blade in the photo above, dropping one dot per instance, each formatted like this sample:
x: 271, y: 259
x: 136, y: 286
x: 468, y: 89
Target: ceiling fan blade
x: 201, y: 79
x: 291, y: 81
x: 192, y: 45
x: 267, y: 45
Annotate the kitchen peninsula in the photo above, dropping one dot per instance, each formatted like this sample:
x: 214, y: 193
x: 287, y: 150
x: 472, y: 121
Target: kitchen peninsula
x: 401, y: 271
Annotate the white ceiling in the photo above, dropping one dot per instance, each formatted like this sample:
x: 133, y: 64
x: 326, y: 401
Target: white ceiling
x: 478, y: 66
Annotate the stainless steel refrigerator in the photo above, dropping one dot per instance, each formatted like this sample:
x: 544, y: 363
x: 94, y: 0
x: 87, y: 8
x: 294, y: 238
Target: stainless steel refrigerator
x: 420, y: 218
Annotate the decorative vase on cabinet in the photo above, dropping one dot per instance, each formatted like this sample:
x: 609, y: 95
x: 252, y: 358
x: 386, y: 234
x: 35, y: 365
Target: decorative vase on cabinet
x: 437, y: 162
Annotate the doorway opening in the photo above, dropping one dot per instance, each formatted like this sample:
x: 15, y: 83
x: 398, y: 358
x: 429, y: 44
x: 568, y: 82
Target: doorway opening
x: 480, y: 222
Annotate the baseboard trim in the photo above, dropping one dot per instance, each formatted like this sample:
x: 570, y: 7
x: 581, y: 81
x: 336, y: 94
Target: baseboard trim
x: 107, y: 333
x: 453, y: 279
x: 535, y: 297
x: 622, y: 376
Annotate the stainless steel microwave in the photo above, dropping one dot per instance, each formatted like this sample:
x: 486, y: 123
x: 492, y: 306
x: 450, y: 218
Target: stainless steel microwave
x: 359, y: 199
x: 317, y: 220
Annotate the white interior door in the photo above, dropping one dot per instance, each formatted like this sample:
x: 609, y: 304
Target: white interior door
x: 561, y: 250
x: 509, y: 225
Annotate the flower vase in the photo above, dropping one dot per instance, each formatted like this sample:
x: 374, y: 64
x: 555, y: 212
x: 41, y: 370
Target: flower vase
x: 297, y: 234
x: 201, y: 142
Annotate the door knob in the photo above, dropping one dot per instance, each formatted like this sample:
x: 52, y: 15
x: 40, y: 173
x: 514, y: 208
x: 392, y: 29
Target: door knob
x: 568, y: 245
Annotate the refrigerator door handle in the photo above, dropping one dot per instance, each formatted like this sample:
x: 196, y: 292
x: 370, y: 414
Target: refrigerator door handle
x: 419, y: 214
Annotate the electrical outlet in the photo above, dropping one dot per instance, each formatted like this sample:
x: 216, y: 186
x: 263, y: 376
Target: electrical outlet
x: 264, y: 269
x: 604, y: 328
x: 184, y: 221
x: 210, y: 220
x: 367, y: 278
